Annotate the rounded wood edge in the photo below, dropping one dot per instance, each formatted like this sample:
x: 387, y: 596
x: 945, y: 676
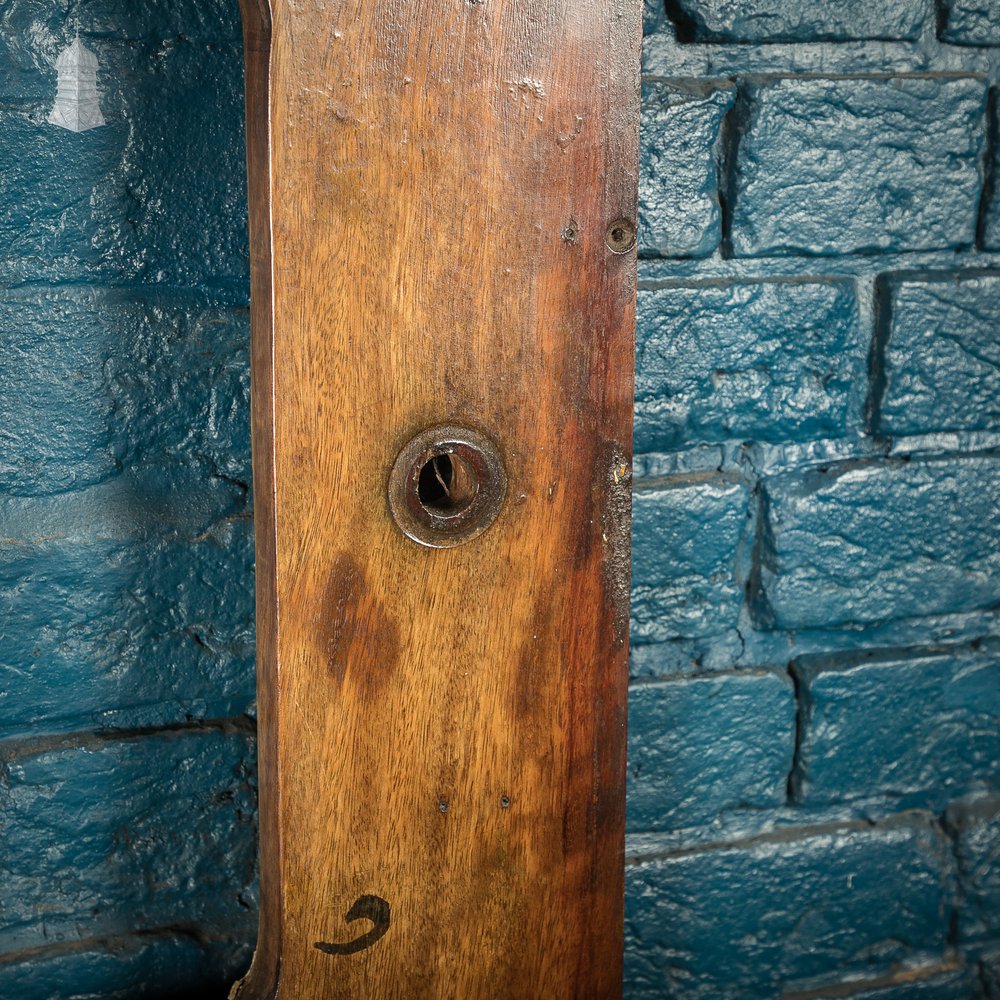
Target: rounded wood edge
x: 262, y: 981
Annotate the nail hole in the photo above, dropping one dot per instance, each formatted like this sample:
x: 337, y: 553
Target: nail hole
x: 446, y: 485
x: 504, y: 802
x: 442, y: 806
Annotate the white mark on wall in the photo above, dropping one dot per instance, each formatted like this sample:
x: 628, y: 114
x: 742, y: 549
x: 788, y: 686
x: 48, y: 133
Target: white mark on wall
x: 77, y: 106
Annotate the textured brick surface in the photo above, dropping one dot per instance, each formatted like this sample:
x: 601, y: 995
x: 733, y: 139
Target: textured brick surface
x: 95, y: 380
x: 798, y: 20
x: 971, y: 22
x: 684, y: 559
x: 679, y: 213
x: 921, y: 983
x: 168, y: 822
x: 702, y: 747
x: 155, y: 967
x: 942, y: 357
x: 129, y: 201
x: 989, y: 968
x: 653, y: 14
x: 929, y: 533
x: 917, y: 731
x: 33, y: 30
x: 749, y: 920
x: 760, y: 361
x: 839, y: 165
x: 975, y: 822
x: 152, y: 628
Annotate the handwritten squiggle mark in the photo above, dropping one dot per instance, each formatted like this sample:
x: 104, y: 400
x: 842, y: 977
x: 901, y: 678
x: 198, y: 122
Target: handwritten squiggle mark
x: 373, y: 908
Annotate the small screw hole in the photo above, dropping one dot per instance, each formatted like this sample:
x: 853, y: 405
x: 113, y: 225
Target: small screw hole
x: 621, y: 236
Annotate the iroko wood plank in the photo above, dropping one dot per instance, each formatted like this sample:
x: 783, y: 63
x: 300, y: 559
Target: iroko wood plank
x: 442, y: 201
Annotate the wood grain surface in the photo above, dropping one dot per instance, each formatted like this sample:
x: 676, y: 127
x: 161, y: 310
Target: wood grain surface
x: 433, y: 187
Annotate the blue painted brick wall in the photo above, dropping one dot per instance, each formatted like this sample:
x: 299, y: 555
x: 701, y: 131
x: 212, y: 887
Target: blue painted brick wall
x: 814, y: 748
x: 803, y: 21
x: 940, y: 356
x: 970, y: 22
x: 794, y: 908
x: 127, y: 759
x: 813, y: 788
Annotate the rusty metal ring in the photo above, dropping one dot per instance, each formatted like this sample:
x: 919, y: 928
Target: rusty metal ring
x: 468, y: 493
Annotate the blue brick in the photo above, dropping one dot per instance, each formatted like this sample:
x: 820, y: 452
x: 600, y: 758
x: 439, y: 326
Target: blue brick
x: 98, y: 379
x: 50, y: 216
x: 155, y: 500
x: 971, y: 22
x: 840, y: 165
x: 34, y: 32
x: 974, y: 822
x: 765, y: 361
x: 138, y: 630
x: 685, y: 550
x: 787, y: 911
x: 38, y: 29
x: 159, y: 965
x: 679, y: 213
x: 106, y: 838
x: 882, y: 540
x: 798, y: 20
x: 701, y: 747
x: 128, y: 201
x: 183, y: 224
x: 178, y: 382
x: 940, y: 981
x: 681, y: 656
x: 911, y: 731
x: 942, y: 358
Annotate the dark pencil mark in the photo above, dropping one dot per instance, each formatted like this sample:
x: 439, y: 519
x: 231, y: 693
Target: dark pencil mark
x: 373, y: 908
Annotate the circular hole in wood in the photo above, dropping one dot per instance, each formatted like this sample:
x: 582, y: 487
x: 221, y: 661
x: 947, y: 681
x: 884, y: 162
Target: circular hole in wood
x: 621, y: 236
x: 447, y: 486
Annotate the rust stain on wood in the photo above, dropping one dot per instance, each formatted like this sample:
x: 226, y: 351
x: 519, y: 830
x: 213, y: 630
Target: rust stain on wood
x: 433, y: 191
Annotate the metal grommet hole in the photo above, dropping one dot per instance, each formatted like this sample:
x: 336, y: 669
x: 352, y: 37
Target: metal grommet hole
x: 447, y: 486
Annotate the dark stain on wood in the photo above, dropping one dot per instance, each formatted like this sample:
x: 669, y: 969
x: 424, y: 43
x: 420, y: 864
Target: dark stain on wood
x: 358, y: 635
